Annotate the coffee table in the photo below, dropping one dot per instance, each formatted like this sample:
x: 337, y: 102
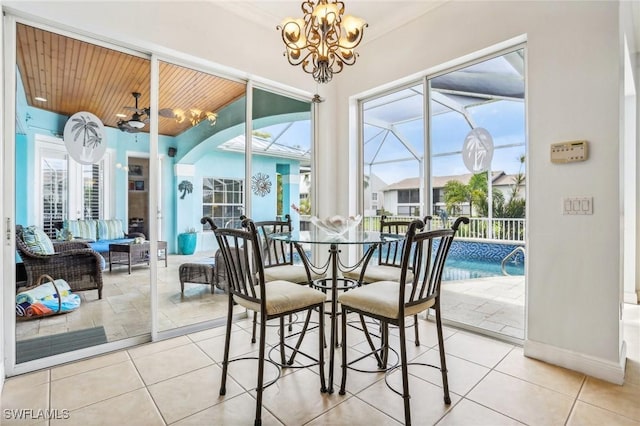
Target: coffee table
x: 134, y: 254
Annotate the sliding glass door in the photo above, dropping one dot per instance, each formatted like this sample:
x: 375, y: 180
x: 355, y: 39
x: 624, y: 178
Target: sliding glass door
x: 201, y: 116
x: 95, y: 180
x: 474, y: 167
x: 477, y: 140
x: 71, y: 202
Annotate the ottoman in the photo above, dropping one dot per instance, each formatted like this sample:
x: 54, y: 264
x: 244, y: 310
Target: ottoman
x: 201, y: 272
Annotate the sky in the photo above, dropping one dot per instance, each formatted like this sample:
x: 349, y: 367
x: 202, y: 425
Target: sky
x: 504, y: 120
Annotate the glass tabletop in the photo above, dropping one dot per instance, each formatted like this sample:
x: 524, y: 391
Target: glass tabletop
x: 352, y: 236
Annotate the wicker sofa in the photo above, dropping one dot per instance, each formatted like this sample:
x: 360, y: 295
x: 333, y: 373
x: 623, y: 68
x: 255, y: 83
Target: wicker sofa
x: 75, y: 262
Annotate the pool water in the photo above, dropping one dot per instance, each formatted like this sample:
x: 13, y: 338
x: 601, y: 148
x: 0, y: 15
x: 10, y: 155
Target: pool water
x: 456, y: 269
x: 470, y: 260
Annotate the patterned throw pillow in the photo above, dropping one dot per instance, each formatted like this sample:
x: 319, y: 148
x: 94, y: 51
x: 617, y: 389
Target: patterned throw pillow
x: 89, y: 229
x: 85, y: 229
x: 37, y: 241
x: 110, y: 229
x: 73, y: 226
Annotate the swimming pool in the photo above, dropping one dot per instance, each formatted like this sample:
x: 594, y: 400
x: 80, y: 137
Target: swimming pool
x: 458, y: 269
x: 479, y: 259
x: 474, y: 259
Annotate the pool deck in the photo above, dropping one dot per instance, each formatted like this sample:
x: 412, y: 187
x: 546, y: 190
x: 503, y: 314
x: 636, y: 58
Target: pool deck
x: 492, y: 303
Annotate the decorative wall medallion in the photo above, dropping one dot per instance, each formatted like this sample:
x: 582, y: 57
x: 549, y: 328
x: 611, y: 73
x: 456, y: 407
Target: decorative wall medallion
x: 260, y: 184
x: 477, y: 151
x: 186, y: 187
x: 84, y: 138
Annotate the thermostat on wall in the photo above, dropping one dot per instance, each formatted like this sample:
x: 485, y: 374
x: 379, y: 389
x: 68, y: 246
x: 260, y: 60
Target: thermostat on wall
x: 569, y: 152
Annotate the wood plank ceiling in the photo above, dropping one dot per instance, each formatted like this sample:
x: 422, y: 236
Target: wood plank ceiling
x: 74, y: 75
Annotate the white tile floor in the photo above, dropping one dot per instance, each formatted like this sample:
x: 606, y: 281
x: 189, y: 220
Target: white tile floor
x: 176, y: 382
x: 495, y: 304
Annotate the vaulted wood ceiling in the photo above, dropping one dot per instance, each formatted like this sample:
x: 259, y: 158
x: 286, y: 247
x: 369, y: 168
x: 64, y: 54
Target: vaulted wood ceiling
x: 74, y: 75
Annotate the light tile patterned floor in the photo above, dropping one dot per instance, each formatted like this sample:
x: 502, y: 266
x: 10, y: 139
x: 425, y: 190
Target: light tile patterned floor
x: 495, y: 304
x: 176, y: 382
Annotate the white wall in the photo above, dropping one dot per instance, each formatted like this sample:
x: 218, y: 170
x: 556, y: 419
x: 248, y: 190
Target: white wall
x: 573, y: 72
x: 573, y: 93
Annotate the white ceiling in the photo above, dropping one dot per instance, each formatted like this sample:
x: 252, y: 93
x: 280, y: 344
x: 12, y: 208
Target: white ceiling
x: 381, y: 15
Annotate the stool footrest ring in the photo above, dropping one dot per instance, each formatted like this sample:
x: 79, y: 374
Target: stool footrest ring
x: 392, y: 369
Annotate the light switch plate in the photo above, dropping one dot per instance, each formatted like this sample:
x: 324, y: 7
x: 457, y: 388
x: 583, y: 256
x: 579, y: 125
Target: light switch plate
x: 577, y: 205
x: 569, y: 152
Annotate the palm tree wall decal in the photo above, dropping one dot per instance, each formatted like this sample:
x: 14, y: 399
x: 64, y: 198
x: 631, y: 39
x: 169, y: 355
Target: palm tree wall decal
x: 186, y: 187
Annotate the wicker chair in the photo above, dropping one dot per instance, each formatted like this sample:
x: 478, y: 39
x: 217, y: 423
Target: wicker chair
x: 74, y: 262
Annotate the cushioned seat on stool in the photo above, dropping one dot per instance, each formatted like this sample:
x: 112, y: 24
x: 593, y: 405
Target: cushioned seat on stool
x: 202, y: 272
x: 292, y: 273
x: 378, y: 273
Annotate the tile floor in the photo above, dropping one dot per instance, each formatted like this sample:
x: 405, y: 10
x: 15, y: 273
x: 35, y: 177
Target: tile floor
x: 124, y: 310
x: 176, y: 382
x: 495, y: 304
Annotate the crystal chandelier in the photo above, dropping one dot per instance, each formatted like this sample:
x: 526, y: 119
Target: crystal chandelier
x: 322, y: 41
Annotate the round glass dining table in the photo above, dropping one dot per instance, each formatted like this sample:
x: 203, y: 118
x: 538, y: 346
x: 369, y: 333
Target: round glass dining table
x: 354, y: 236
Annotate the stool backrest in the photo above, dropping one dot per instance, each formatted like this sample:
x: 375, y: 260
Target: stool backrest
x: 275, y: 252
x: 392, y: 255
x: 425, y: 253
x: 241, y: 251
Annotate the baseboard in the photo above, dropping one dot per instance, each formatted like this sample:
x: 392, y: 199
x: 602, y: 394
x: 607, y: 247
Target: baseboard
x: 612, y: 372
x: 632, y: 297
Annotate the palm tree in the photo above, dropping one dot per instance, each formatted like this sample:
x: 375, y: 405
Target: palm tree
x: 456, y: 193
x: 474, y: 193
x: 89, y: 131
x: 186, y: 187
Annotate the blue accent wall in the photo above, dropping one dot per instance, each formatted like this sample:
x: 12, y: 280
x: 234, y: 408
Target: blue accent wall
x: 195, y: 146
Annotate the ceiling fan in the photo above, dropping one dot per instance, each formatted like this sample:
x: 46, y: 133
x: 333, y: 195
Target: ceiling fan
x: 140, y: 117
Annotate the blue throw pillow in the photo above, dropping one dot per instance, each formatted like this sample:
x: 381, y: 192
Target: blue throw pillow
x: 37, y: 241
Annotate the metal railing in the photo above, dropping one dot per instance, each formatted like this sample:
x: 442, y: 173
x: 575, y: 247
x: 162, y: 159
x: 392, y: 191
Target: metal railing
x: 503, y: 229
x: 515, y: 251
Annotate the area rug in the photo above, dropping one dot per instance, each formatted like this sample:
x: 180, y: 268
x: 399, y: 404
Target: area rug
x: 40, y: 347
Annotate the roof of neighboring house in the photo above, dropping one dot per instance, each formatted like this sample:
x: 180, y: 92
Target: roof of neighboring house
x: 375, y: 183
x: 506, y: 180
x: 499, y: 179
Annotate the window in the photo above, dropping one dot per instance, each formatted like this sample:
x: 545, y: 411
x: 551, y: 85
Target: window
x: 406, y: 196
x: 374, y: 196
x: 54, y: 172
x: 408, y: 210
x: 92, y: 179
x: 66, y: 189
x: 222, y: 201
